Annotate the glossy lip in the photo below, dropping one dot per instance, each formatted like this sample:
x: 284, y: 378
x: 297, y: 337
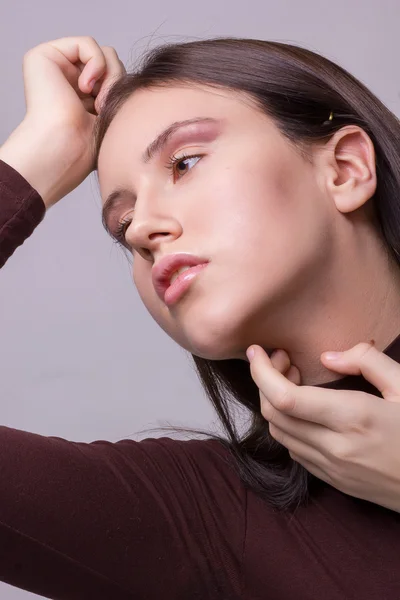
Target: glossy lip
x: 163, y: 270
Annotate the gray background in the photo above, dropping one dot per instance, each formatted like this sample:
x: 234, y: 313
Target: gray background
x: 80, y: 357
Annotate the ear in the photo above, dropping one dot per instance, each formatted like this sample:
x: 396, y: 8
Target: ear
x: 351, y: 178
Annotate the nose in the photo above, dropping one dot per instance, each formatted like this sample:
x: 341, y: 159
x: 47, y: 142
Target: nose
x: 152, y: 225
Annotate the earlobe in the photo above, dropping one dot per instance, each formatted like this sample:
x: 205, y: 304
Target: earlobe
x: 353, y: 177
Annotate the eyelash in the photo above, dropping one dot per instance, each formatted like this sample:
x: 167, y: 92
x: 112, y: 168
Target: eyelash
x: 121, y: 230
x: 172, y: 161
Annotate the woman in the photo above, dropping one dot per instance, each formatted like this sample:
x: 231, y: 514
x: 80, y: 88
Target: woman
x: 273, y: 175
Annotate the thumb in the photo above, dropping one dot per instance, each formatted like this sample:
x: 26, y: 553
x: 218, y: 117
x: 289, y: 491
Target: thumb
x: 364, y: 359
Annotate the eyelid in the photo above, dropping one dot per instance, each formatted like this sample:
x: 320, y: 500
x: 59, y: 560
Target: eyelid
x: 174, y: 160
x: 184, y: 152
x: 187, y: 148
x: 178, y: 155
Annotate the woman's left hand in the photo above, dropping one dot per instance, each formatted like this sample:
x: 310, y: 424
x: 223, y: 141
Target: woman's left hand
x: 350, y: 439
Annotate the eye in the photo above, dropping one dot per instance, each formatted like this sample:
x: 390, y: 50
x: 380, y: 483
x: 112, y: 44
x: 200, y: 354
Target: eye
x: 121, y: 231
x: 174, y: 165
x: 179, y: 164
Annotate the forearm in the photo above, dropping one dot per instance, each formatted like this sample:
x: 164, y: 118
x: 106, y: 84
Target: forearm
x: 21, y: 210
x: 30, y: 152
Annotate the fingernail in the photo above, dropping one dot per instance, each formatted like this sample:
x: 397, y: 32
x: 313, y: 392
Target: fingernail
x: 91, y: 83
x: 332, y: 355
x: 250, y: 353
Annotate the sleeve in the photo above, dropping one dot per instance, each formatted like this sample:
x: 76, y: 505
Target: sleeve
x: 159, y: 518
x: 150, y: 519
x: 21, y: 210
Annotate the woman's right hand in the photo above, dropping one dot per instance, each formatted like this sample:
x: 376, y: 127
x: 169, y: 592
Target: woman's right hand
x: 52, y: 147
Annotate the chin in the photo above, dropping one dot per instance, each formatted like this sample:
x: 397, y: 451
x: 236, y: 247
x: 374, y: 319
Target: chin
x: 213, y: 336
x: 214, y: 353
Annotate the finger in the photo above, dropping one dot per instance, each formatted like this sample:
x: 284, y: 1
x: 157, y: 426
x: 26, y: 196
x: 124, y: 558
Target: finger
x: 271, y: 383
x: 88, y: 104
x: 311, y: 444
x: 327, y: 407
x: 280, y: 360
x: 293, y: 375
x: 364, y: 359
x: 114, y: 70
x: 86, y: 50
x: 315, y: 469
x: 287, y: 430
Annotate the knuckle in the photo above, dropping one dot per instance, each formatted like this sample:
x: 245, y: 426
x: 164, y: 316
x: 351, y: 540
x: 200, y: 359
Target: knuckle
x: 276, y: 433
x: 109, y: 50
x: 267, y: 410
x: 364, y: 349
x: 273, y: 413
x: 90, y: 39
x: 340, y: 453
x: 358, y: 425
x: 363, y: 346
x: 91, y: 43
x: 358, y: 420
x: 31, y: 52
x: 286, y: 400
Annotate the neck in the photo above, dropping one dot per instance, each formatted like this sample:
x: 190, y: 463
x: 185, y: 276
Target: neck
x: 356, y: 300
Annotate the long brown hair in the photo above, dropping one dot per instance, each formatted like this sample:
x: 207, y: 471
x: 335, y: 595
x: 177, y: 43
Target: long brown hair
x: 298, y: 89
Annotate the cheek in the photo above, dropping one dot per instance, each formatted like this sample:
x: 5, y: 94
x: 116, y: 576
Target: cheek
x: 142, y: 279
x: 262, y: 224
x: 271, y: 206
x: 242, y: 206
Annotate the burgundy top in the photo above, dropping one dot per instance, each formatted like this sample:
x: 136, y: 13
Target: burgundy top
x: 165, y: 518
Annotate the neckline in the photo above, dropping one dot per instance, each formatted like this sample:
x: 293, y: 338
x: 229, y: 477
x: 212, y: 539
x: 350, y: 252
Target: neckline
x: 354, y: 382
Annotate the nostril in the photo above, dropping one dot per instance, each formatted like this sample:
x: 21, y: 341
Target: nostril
x: 146, y: 253
x: 155, y: 235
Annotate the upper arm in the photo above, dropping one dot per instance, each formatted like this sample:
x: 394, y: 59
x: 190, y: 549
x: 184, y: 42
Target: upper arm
x: 144, y: 516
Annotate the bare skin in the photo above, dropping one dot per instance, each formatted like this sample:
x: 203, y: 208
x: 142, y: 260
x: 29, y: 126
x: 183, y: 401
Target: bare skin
x: 295, y: 261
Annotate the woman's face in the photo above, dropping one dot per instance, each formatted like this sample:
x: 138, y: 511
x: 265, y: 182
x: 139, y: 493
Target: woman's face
x: 248, y: 202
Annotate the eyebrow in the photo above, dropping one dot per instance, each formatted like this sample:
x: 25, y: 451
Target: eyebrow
x: 153, y: 149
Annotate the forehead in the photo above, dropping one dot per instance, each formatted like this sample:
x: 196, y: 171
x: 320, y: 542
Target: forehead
x: 149, y: 111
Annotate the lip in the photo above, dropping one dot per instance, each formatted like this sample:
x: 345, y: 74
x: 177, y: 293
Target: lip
x: 163, y: 270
